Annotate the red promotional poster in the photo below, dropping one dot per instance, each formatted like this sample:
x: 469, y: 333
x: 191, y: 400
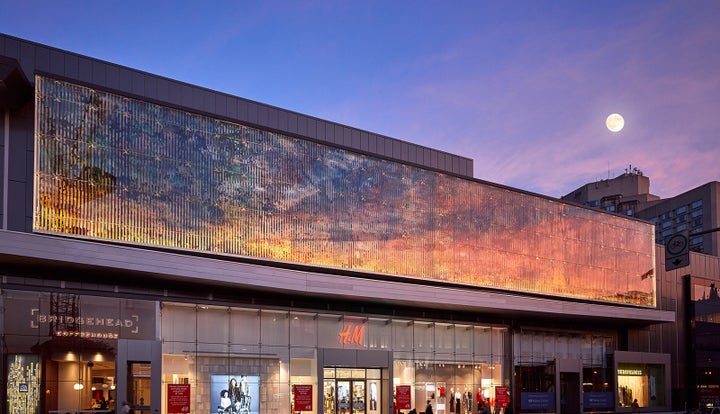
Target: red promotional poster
x: 178, y: 398
x: 402, y: 397
x: 302, y: 397
x: 502, y: 399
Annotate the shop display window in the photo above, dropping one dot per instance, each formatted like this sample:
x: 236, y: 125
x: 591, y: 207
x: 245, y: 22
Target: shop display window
x: 286, y: 370
x: 644, y: 383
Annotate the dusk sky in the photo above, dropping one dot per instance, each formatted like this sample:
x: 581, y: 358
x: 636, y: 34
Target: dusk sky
x: 521, y: 87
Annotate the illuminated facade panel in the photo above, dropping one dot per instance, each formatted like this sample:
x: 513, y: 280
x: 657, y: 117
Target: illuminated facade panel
x: 117, y: 168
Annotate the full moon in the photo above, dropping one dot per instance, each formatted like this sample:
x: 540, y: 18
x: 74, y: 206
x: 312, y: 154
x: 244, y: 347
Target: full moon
x: 615, y: 122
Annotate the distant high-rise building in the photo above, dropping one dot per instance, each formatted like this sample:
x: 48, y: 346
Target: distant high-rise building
x: 694, y: 212
x: 624, y: 194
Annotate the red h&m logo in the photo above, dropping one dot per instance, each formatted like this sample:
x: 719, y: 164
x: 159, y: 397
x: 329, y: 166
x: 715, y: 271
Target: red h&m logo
x: 352, y: 334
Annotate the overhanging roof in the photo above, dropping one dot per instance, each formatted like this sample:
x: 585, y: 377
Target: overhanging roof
x: 27, y: 249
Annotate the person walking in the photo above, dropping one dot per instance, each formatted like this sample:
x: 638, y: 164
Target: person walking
x: 428, y: 408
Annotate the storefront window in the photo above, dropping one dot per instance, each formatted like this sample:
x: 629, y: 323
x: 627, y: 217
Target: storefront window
x: 329, y: 327
x: 583, y: 357
x: 246, y: 328
x: 61, y: 348
x: 179, y: 326
x: 535, y: 388
x: 213, y: 325
x: 274, y: 329
x: 463, y: 339
x: 379, y: 334
x: 461, y: 382
x: 402, y: 335
x: 705, y: 325
x: 424, y: 334
x: 597, y: 390
x: 303, y: 329
x: 642, y: 382
x: 208, y: 360
x: 445, y: 338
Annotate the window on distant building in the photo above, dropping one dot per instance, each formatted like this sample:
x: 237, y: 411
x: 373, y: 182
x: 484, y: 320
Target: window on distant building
x: 681, y: 218
x: 667, y: 224
x: 697, y: 222
x: 696, y: 204
x: 681, y: 227
x: 696, y: 244
x: 681, y: 210
x: 696, y: 213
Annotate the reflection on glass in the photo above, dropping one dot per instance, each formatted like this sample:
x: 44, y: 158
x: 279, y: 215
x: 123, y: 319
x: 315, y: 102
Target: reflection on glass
x: 343, y: 397
x: 139, y: 385
x: 358, y: 401
x: 117, y: 168
x: 373, y: 395
x: 329, y: 396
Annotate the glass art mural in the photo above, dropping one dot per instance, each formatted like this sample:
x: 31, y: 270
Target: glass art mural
x: 23, y: 383
x: 117, y: 168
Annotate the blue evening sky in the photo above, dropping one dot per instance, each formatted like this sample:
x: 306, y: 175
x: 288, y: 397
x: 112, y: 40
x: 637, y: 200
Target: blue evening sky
x: 521, y: 87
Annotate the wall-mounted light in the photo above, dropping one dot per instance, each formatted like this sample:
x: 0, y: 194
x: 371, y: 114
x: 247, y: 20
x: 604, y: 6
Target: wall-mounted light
x: 78, y: 386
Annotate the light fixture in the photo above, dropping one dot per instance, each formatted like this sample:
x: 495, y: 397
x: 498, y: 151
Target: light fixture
x: 78, y: 386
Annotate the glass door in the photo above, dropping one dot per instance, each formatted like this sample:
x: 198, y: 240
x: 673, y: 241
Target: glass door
x: 344, y: 398
x: 358, y: 401
x: 351, y: 396
x: 352, y: 390
x: 138, y: 386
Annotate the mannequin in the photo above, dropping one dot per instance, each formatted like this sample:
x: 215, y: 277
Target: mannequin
x: 452, y: 400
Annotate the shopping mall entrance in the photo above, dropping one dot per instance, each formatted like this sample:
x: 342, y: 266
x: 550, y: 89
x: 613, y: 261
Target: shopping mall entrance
x: 351, y: 390
x: 355, y: 381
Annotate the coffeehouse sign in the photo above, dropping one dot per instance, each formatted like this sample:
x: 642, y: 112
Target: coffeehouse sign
x: 86, y: 326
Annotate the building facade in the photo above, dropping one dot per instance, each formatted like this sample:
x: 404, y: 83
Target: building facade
x: 690, y: 290
x: 186, y: 250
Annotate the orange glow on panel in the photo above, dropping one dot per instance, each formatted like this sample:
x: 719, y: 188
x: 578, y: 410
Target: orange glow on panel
x: 117, y: 168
